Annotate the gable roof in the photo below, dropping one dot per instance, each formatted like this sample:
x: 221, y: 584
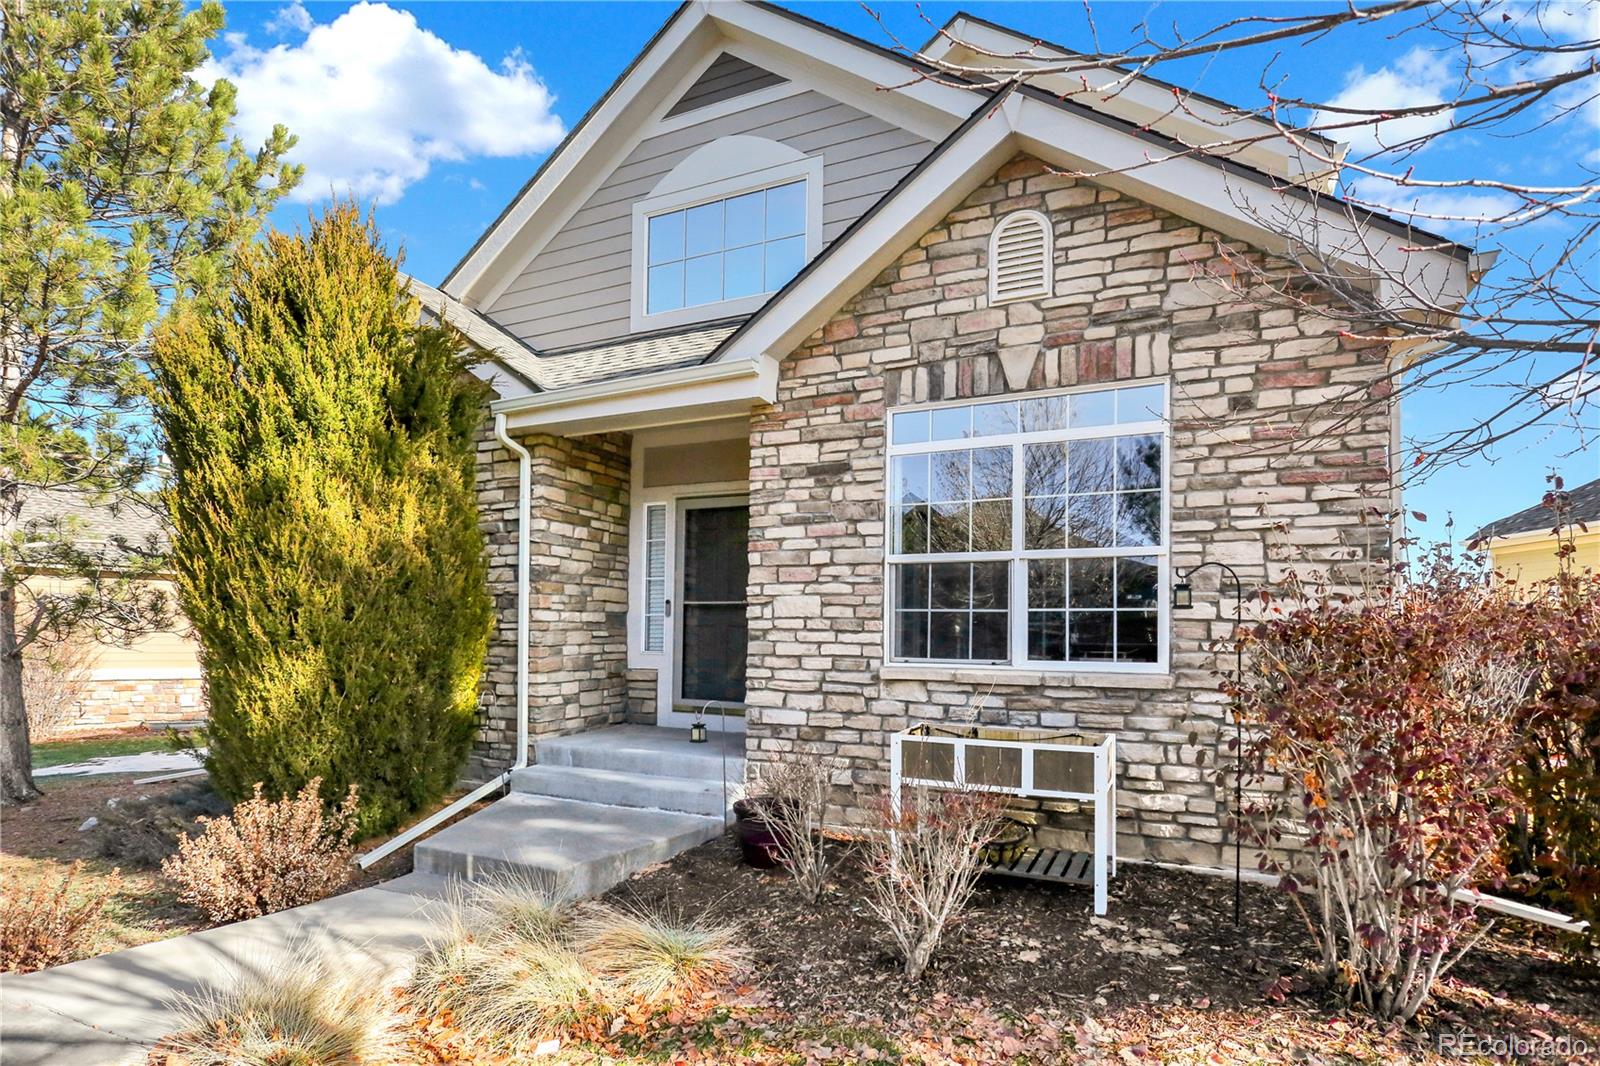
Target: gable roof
x: 1085, y: 134
x: 1018, y: 118
x: 1583, y: 503
x: 950, y: 37
x: 692, y: 37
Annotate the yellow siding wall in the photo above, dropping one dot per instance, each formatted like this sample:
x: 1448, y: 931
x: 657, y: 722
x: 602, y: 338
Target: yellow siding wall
x: 1534, y: 559
x: 169, y: 650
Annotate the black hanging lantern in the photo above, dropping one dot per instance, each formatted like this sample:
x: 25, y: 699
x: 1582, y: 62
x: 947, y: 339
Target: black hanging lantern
x: 1182, y: 596
x: 697, y: 731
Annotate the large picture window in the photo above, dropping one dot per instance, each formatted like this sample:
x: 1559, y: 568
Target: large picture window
x: 1030, y: 532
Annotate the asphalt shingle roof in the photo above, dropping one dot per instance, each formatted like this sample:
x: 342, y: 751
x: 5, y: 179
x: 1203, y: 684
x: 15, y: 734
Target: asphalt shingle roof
x: 1584, y: 501
x: 573, y: 366
x: 91, y: 522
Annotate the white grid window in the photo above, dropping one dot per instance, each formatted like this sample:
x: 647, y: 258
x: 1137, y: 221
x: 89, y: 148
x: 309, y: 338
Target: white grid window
x: 725, y: 249
x: 1030, y: 532
x: 655, y: 576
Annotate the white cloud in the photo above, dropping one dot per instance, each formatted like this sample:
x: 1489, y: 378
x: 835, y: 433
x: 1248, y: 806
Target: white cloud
x: 295, y: 17
x: 376, y: 99
x: 1416, y: 79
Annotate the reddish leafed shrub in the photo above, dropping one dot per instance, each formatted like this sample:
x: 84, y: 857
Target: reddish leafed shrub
x: 1555, y: 836
x: 1383, y: 737
x: 268, y: 855
x: 46, y: 924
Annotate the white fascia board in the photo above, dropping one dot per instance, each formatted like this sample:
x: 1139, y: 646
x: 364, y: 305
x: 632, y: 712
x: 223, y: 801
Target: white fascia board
x: 1188, y: 187
x: 848, y: 72
x: 507, y: 386
x: 696, y: 393
x: 1140, y: 101
x: 586, y: 160
x: 1529, y: 537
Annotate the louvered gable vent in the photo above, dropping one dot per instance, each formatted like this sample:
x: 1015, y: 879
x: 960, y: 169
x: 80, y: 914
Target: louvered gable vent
x: 1020, y: 258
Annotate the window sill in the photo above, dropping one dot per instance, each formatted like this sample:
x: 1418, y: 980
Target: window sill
x: 979, y: 675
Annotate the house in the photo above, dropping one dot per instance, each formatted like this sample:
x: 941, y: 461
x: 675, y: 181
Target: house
x: 837, y: 405
x: 1523, y: 546
x: 100, y: 682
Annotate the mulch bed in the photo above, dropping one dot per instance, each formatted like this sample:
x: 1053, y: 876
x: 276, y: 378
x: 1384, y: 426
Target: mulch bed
x: 1166, y: 964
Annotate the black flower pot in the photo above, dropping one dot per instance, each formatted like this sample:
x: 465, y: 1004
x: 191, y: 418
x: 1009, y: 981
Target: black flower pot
x: 760, y: 842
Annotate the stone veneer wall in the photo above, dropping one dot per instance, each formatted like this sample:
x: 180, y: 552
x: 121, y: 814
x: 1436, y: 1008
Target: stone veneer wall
x: 124, y: 703
x: 642, y: 696
x: 578, y: 634
x: 1130, y: 302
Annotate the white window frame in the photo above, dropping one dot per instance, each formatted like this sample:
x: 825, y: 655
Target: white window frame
x: 808, y: 169
x: 1018, y: 557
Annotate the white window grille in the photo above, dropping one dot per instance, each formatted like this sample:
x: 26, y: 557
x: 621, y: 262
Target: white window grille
x: 1021, y: 263
x: 655, y: 576
x: 725, y: 249
x: 1030, y: 532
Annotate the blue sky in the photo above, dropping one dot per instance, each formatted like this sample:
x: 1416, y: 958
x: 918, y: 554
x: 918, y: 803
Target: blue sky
x: 439, y: 112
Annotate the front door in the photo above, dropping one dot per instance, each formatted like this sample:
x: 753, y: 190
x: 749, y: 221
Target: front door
x: 710, y: 632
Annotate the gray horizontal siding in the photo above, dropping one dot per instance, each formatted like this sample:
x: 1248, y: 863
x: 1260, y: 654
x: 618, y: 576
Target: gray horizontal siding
x: 727, y: 77
x: 576, y: 290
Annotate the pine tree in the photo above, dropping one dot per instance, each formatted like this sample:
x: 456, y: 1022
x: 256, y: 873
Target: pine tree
x: 120, y: 190
x: 325, y: 524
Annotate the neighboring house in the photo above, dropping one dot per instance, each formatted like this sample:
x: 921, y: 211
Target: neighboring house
x: 846, y: 410
x: 154, y: 680
x: 1523, y: 546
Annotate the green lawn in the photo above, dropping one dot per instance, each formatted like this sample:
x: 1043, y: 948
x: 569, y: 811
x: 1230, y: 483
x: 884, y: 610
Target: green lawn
x: 57, y: 752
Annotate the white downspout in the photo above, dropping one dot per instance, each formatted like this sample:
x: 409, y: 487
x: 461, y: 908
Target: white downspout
x: 524, y: 491
x: 499, y: 781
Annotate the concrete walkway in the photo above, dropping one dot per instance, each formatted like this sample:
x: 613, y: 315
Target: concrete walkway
x: 146, y: 762
x: 110, y: 1010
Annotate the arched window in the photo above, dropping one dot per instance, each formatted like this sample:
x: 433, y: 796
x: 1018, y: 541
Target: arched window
x: 1020, y: 258
x: 723, y: 230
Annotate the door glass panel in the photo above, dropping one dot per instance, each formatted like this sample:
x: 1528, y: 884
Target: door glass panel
x: 716, y: 572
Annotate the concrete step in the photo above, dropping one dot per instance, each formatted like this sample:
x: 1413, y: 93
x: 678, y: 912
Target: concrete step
x: 684, y: 794
x: 647, y: 750
x: 581, y: 849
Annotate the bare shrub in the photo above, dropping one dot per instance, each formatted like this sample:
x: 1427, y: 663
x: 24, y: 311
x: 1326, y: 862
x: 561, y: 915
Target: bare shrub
x: 55, y: 679
x: 301, y: 1010
x: 795, y: 803
x: 650, y: 959
x: 47, y: 923
x: 268, y: 855
x: 924, y: 863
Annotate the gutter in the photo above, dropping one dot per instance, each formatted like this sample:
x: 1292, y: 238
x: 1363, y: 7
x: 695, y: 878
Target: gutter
x: 637, y: 385
x: 502, y: 779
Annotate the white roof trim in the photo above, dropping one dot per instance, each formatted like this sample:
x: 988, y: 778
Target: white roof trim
x: 674, y: 53
x: 1140, y: 101
x: 683, y: 394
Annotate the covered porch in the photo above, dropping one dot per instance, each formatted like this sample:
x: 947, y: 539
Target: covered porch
x: 637, y: 562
